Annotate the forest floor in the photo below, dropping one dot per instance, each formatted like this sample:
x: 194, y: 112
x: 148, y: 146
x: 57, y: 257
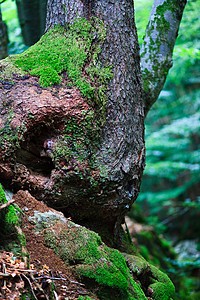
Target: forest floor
x: 46, y: 276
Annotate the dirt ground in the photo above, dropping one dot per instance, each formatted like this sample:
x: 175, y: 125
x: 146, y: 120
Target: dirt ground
x: 47, y: 265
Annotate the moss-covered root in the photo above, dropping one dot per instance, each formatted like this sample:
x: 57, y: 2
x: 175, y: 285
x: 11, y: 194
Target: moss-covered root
x: 94, y: 263
x: 8, y: 215
x: 163, y: 288
x: 11, y: 233
x: 106, y: 271
x: 156, y: 283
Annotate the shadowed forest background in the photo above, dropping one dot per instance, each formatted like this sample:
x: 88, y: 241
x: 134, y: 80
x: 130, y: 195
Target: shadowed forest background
x: 169, y: 202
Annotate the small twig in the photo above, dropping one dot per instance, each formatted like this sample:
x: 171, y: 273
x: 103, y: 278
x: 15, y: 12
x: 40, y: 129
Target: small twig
x: 7, y: 204
x: 70, y: 292
x: 71, y: 281
x: 56, y: 295
x: 25, y: 270
x: 61, y: 278
x: 30, y: 286
x: 23, y: 248
x: 52, y: 278
x: 174, y: 216
x: 4, y: 271
x: 4, y: 274
x: 75, y: 282
x: 38, y: 286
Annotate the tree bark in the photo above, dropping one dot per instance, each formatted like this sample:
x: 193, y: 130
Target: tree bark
x: 122, y: 149
x: 158, y: 45
x: 3, y: 38
x: 120, y: 154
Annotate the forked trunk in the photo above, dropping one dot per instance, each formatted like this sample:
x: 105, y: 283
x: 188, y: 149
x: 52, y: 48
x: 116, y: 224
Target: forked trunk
x: 119, y: 154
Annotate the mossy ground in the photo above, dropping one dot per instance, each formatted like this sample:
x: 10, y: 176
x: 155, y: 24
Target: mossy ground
x: 11, y: 238
x: 163, y: 288
x: 96, y: 264
x: 8, y: 215
x: 91, y: 260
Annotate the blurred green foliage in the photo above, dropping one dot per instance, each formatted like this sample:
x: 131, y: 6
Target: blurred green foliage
x: 170, y: 192
x: 9, y: 14
x: 172, y: 173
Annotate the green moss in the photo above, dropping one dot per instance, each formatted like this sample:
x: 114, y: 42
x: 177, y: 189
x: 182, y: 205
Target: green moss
x: 147, y: 79
x: 12, y: 238
x: 159, y: 70
x: 7, y: 69
x: 162, y: 24
x: 9, y: 136
x: 77, y: 141
x: 163, y: 288
x: 48, y: 76
x: 70, y: 50
x: 126, y: 243
x: 117, y: 276
x: 8, y: 215
x: 2, y: 195
x: 110, y: 269
x: 84, y: 298
x: 137, y: 264
x: 144, y: 251
x: 11, y: 216
x: 135, y: 292
x: 92, y: 260
x: 104, y: 275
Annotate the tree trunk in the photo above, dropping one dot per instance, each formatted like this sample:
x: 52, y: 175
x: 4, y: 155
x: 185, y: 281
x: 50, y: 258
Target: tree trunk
x: 3, y: 38
x: 158, y: 45
x: 39, y: 120
x: 122, y: 149
x: 31, y: 16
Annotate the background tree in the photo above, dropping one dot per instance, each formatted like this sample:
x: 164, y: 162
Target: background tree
x: 3, y: 38
x: 169, y: 197
x: 32, y: 15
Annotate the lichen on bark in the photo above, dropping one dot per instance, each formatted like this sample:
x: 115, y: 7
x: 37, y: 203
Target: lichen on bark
x: 158, y: 45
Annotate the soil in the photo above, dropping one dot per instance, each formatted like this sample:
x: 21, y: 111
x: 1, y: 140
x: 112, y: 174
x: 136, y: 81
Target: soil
x: 41, y: 256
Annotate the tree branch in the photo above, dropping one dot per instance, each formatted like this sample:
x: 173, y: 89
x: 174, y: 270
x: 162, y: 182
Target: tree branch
x: 158, y: 45
x: 7, y: 204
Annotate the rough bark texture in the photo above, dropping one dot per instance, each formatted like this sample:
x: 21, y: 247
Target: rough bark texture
x: 158, y: 45
x: 3, y: 38
x: 122, y: 149
x: 32, y: 16
x: 37, y: 120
